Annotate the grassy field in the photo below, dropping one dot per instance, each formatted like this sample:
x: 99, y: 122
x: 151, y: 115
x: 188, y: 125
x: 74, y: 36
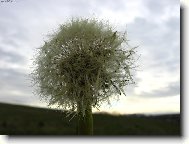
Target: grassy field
x: 23, y: 120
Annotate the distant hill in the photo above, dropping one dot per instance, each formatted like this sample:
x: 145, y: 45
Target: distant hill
x: 25, y: 120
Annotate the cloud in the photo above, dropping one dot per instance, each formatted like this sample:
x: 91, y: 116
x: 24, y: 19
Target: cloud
x: 159, y: 8
x: 156, y: 41
x: 160, y: 11
x: 149, y: 105
x: 11, y: 79
x: 159, y: 46
x: 153, y: 25
x: 173, y: 89
x: 11, y: 57
x: 15, y: 87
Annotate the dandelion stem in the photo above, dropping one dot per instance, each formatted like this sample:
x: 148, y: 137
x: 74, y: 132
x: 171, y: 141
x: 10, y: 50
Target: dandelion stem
x: 85, y: 122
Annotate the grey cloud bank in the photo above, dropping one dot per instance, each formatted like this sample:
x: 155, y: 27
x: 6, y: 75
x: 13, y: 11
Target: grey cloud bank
x: 153, y: 25
x: 172, y: 89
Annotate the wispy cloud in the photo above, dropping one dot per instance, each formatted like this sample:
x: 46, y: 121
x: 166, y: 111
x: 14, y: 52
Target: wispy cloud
x: 153, y: 25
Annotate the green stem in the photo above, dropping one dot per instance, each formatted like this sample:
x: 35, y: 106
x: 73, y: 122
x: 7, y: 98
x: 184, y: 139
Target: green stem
x: 85, y: 123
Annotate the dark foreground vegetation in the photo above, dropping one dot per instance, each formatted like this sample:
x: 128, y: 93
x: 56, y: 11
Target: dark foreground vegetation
x: 23, y: 120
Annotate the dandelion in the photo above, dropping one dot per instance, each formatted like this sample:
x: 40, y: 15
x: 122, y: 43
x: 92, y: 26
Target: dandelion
x: 83, y: 65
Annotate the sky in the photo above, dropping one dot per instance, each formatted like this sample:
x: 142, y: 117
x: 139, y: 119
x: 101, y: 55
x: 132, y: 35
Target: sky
x: 154, y: 26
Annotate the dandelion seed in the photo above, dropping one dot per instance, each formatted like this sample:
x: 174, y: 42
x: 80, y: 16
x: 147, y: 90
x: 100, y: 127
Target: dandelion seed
x: 83, y: 66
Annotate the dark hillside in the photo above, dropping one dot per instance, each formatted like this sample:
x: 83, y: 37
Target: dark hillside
x: 24, y: 120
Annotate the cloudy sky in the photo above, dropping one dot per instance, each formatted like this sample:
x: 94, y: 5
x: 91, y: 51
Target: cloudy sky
x: 152, y: 25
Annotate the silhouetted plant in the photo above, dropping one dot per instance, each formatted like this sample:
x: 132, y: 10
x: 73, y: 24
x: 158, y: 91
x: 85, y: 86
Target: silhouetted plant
x: 83, y: 65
